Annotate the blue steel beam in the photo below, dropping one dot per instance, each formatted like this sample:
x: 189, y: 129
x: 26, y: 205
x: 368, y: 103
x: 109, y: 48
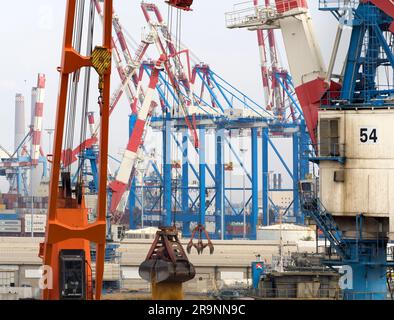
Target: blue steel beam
x: 296, y: 155
x: 219, y: 183
x: 213, y: 95
x: 304, y: 151
x: 255, y: 185
x: 185, y: 174
x: 202, y: 180
x: 265, y: 173
x: 291, y: 96
x: 167, y: 186
x: 195, y: 172
x: 246, y: 98
x: 279, y: 156
x: 133, y: 189
x: 247, y: 102
x: 237, y: 157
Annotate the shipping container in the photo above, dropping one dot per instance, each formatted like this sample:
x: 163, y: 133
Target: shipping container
x: 10, y: 226
x: 8, y: 216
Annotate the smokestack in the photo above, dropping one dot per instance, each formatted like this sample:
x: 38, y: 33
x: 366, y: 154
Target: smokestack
x: 275, y: 181
x: 279, y: 181
x: 19, y: 120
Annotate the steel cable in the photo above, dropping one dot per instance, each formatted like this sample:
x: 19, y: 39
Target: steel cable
x: 85, y: 106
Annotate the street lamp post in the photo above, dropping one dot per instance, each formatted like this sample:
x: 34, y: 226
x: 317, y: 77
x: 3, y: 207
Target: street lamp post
x: 141, y: 172
x: 49, y: 132
x: 270, y: 187
x: 142, y: 200
x: 32, y: 209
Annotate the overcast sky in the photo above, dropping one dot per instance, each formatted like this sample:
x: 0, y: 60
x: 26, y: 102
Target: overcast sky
x: 31, y: 33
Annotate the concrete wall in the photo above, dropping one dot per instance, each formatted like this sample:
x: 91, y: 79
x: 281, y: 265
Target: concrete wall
x: 368, y: 186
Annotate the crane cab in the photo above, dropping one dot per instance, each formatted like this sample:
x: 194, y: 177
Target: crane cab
x: 72, y: 275
x: 308, y: 188
x: 308, y: 195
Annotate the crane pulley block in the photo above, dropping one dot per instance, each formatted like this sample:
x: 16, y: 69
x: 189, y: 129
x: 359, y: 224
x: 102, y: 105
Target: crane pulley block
x: 101, y: 62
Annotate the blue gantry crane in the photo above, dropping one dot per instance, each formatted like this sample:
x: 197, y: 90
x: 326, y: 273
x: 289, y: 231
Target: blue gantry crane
x: 348, y: 119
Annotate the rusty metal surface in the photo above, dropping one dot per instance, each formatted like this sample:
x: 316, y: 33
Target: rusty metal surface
x: 166, y: 260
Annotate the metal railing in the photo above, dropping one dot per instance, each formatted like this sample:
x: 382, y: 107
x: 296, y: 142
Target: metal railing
x: 249, y: 16
x: 314, y: 208
x: 337, y: 4
x: 328, y: 149
x: 317, y: 294
x: 384, y: 295
x: 307, y: 293
x: 245, y: 14
x: 361, y: 98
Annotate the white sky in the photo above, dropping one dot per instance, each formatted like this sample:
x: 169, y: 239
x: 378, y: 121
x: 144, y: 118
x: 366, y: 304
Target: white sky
x: 32, y: 32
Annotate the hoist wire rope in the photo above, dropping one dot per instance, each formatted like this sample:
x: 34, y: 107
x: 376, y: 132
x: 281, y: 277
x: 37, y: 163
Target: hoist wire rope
x: 86, y: 92
x: 73, y: 94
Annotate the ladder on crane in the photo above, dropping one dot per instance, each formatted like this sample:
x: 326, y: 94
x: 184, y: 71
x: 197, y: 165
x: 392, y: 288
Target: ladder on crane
x: 314, y: 208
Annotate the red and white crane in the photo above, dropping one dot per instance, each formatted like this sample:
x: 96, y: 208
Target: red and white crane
x: 92, y: 124
x: 265, y: 74
x: 37, y: 120
x: 177, y: 76
x: 304, y: 57
x: 131, y: 83
x: 126, y: 73
x: 35, y: 132
x: 275, y: 78
x: 307, y: 68
x: 130, y: 155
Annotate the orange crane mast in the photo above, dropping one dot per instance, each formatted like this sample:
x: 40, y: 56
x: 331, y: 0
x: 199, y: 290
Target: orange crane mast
x: 66, y: 250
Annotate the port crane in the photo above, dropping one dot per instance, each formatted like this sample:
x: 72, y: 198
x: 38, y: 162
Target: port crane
x: 66, y: 249
x: 360, y: 85
x: 130, y: 79
x: 363, y: 85
x: 131, y: 84
x: 16, y: 165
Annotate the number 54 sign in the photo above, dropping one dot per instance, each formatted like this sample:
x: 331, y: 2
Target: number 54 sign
x: 369, y: 135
